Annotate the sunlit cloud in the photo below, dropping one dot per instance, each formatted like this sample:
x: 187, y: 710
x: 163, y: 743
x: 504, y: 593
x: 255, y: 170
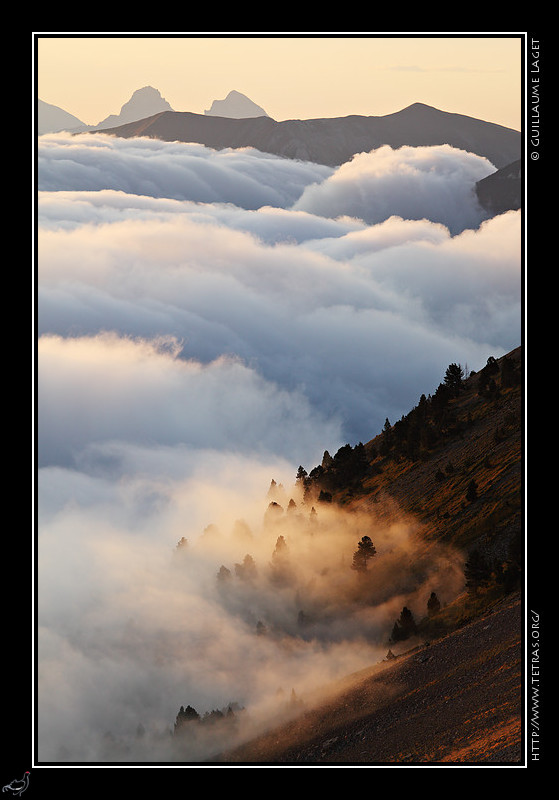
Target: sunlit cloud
x: 124, y: 608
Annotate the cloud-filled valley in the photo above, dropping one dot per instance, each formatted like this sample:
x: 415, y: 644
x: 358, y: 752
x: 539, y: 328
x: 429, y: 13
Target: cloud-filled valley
x: 208, y: 321
x: 248, y: 179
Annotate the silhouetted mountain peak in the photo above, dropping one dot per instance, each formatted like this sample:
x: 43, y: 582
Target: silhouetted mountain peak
x: 144, y: 103
x: 419, y: 107
x: 236, y: 106
x: 52, y: 118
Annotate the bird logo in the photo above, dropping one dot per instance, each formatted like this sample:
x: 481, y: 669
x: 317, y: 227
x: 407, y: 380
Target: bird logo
x: 17, y: 787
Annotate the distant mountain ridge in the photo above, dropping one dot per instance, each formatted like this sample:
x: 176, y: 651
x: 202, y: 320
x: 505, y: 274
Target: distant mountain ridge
x: 144, y: 102
x: 237, y: 122
x: 235, y: 105
x: 333, y: 141
x: 51, y: 119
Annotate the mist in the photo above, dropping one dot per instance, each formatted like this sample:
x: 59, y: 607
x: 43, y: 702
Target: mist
x: 147, y: 604
x: 207, y: 322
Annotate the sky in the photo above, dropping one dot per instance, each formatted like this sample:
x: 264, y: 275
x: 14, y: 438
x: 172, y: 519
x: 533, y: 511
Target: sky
x: 207, y: 321
x: 291, y: 76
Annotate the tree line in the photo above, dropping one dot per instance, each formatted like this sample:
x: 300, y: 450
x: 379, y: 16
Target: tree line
x: 413, y: 436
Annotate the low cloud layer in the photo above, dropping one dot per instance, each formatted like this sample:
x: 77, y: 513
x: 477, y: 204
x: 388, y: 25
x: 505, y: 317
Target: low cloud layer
x: 104, y: 389
x: 207, y: 322
x: 361, y: 322
x: 246, y: 178
x: 436, y: 183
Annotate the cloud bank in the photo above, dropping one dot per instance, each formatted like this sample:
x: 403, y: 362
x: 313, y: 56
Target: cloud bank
x: 150, y: 167
x: 207, y: 322
x: 360, y: 322
x: 436, y: 183
x: 105, y: 389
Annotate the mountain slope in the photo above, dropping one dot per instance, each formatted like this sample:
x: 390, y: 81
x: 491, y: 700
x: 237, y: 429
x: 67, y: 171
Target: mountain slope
x: 455, y: 695
x: 333, y: 141
x: 51, y: 119
x: 455, y: 701
x: 423, y: 464
x: 143, y: 103
x: 502, y: 190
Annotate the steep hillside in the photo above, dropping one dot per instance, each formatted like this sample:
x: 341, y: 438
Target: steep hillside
x: 425, y: 463
x: 452, y: 692
x: 333, y: 141
x: 457, y: 700
x: 501, y: 191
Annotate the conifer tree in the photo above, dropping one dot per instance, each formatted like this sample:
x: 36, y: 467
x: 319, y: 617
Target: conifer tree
x: 404, y: 627
x: 365, y: 551
x: 453, y: 378
x: 433, y: 605
x: 223, y: 574
x: 246, y: 570
x: 185, y: 716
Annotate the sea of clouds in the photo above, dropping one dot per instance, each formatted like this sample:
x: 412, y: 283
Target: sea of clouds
x: 208, y: 321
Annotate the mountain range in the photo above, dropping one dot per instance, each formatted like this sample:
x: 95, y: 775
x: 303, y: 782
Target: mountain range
x: 143, y: 103
x: 237, y: 122
x: 332, y: 141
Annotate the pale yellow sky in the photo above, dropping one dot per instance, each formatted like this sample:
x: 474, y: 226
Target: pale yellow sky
x: 290, y: 76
